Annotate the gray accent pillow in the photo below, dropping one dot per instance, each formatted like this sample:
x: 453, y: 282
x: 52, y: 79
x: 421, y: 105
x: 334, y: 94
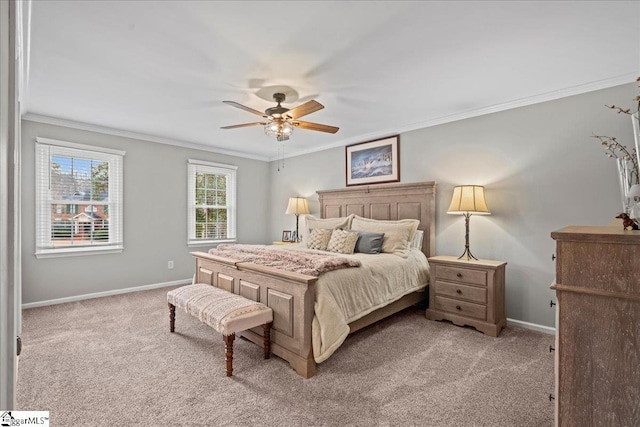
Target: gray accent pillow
x: 369, y: 243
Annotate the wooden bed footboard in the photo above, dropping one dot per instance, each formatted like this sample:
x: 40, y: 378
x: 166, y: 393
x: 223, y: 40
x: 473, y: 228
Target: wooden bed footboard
x: 290, y: 295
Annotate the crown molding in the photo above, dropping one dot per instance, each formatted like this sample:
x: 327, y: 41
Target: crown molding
x: 135, y: 135
x: 522, y: 102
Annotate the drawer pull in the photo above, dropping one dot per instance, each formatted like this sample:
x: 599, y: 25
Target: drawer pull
x: 459, y: 274
x: 458, y: 308
x: 458, y: 291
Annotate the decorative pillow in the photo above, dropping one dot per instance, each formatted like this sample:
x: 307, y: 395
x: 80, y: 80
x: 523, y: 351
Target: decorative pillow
x: 369, y: 243
x: 397, y: 234
x: 342, y: 241
x: 311, y: 223
x: 416, y: 242
x: 319, y: 239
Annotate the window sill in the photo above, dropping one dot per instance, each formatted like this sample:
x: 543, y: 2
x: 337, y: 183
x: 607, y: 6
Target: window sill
x: 67, y: 252
x: 194, y: 243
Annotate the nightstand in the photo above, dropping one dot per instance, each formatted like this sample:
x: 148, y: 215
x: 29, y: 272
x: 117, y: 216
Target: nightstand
x: 468, y: 293
x: 284, y: 243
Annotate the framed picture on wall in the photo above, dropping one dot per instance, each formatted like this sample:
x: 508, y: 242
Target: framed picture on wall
x: 373, y: 162
x: 286, y: 236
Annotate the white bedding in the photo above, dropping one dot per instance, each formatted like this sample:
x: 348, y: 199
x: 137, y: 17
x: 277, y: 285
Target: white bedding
x: 346, y: 295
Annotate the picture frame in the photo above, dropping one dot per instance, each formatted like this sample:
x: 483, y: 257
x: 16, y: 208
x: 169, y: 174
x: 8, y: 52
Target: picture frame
x: 373, y: 162
x: 286, y: 236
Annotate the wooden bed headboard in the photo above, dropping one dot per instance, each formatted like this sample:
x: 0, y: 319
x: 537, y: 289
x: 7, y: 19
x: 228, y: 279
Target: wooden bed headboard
x: 386, y: 202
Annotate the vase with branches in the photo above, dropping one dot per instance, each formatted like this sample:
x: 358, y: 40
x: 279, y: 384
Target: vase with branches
x: 627, y: 159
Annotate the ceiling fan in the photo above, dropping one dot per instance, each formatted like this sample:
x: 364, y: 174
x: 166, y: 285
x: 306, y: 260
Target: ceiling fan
x: 280, y: 121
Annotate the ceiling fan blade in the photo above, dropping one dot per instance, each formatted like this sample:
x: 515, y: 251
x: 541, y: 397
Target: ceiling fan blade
x: 243, y: 125
x: 304, y: 109
x: 245, y: 108
x: 316, y: 126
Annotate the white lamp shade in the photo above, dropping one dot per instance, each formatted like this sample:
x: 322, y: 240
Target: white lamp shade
x: 297, y: 206
x: 468, y: 198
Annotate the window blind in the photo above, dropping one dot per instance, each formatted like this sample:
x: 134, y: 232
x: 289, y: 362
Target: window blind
x: 79, y: 202
x: 212, y: 202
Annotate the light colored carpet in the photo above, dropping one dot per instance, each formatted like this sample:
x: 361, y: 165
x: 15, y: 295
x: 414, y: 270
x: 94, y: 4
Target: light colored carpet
x: 112, y: 361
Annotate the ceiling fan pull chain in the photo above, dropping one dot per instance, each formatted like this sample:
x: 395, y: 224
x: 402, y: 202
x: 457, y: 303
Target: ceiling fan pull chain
x: 280, y: 155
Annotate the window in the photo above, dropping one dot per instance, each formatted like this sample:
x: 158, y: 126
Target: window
x: 212, y: 202
x: 78, y: 199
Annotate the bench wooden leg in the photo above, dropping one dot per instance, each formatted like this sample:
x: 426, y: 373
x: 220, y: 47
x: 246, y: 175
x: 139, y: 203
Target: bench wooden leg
x: 267, y: 340
x: 172, y: 317
x: 228, y: 346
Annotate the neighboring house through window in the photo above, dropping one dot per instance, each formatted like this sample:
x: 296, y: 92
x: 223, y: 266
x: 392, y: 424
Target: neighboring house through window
x: 212, y: 202
x: 78, y: 199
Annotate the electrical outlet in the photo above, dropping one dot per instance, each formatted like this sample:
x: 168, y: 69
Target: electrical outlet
x: 170, y: 265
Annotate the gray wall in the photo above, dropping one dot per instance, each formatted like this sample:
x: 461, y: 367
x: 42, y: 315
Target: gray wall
x: 541, y: 171
x: 155, y: 217
x: 539, y: 165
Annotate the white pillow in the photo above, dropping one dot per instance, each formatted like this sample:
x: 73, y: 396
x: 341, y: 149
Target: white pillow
x: 311, y: 223
x: 416, y: 242
x: 397, y: 234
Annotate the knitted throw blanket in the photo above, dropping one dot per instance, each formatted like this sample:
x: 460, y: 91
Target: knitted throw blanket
x: 311, y: 264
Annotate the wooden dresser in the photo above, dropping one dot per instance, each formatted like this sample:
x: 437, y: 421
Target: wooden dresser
x: 598, y: 339
x: 468, y: 293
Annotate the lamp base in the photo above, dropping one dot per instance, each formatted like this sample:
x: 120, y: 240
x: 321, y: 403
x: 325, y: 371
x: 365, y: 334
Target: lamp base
x: 468, y: 254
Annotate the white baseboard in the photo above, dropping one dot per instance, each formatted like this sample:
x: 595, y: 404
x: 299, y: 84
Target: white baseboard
x: 106, y: 293
x: 533, y: 326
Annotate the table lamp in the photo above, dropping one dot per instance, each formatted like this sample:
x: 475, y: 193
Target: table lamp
x: 467, y: 200
x: 297, y: 206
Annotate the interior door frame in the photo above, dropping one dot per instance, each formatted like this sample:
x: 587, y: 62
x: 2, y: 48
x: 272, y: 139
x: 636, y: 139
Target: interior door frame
x: 10, y: 198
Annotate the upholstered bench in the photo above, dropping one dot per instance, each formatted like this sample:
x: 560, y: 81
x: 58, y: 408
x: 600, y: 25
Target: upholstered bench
x: 224, y: 311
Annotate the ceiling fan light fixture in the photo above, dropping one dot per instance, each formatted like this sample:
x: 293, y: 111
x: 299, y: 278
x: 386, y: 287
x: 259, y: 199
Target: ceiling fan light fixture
x: 279, y: 128
x: 287, y: 128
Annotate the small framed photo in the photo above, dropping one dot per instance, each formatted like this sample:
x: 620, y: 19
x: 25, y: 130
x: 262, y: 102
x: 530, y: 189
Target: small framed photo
x: 373, y: 162
x: 286, y: 236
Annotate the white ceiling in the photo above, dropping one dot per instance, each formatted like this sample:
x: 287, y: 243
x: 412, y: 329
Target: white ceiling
x: 162, y: 69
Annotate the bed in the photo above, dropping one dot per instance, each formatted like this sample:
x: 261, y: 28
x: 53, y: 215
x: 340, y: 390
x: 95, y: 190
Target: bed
x: 292, y: 296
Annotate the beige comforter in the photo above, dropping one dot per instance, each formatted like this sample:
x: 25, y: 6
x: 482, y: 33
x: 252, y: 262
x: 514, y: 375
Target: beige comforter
x: 343, y: 296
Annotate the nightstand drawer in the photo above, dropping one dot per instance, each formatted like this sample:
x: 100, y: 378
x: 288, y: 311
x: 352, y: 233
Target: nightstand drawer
x: 462, y: 308
x: 457, y: 291
x: 466, y: 275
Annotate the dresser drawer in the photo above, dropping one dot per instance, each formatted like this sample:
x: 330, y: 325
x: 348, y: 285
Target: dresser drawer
x: 458, y: 274
x: 457, y: 291
x: 468, y: 309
